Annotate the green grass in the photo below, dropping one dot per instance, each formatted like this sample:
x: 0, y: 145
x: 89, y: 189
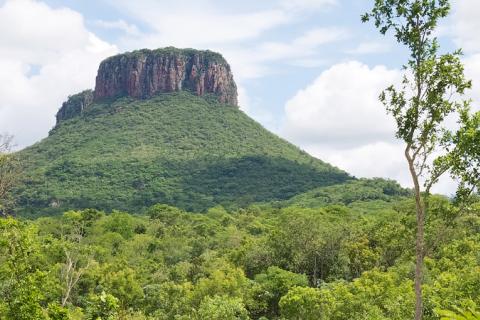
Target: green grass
x: 178, y: 149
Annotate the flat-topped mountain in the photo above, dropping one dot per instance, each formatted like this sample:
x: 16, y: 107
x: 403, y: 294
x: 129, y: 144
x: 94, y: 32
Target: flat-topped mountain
x: 144, y: 73
x: 180, y: 139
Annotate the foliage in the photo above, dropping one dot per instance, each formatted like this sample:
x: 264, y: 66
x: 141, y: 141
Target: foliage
x: 102, y: 307
x: 251, y: 263
x: 137, y: 153
x: 463, y: 315
x: 9, y: 174
x: 275, y: 283
x: 302, y: 303
x: 222, y: 308
x: 20, y: 275
x: 375, y: 295
x: 350, y: 193
x: 464, y: 157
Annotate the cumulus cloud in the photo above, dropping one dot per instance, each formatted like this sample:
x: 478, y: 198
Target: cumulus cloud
x: 377, y: 159
x: 48, y: 55
x: 341, y: 107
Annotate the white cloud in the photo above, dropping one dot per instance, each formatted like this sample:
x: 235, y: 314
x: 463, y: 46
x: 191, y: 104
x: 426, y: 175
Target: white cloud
x: 341, y: 107
x: 254, y: 62
x: 205, y: 22
x: 308, y: 62
x: 196, y: 24
x: 472, y: 71
x: 467, y: 24
x: 243, y: 99
x: 307, y: 4
x: 465, y: 33
x: 370, y: 47
x: 378, y: 159
x: 316, y: 37
x: 61, y: 52
x: 303, y: 46
x: 129, y: 29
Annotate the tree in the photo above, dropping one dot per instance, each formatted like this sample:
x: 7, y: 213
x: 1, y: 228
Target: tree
x: 21, y: 277
x: 301, y: 303
x: 103, y: 307
x: 9, y: 173
x: 77, y: 259
x: 222, y: 308
x: 275, y: 283
x: 464, y: 157
x: 375, y: 295
x: 420, y: 106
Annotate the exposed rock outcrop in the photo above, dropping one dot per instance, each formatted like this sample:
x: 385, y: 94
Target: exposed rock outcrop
x: 75, y: 105
x: 144, y: 73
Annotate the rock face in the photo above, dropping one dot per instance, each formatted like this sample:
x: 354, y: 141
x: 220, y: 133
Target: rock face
x: 144, y: 73
x: 75, y: 105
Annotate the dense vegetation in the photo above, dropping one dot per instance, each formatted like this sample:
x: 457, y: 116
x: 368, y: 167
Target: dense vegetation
x: 331, y: 262
x: 361, y: 190
x: 179, y: 149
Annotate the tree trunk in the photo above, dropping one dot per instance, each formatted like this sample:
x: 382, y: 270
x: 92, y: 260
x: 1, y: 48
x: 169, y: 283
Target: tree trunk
x: 419, y: 265
x: 420, y: 237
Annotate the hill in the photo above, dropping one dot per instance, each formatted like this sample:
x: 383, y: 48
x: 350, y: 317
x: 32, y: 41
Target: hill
x: 177, y: 148
x: 351, y: 193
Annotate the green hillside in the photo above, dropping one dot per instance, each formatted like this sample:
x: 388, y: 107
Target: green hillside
x: 352, y: 193
x: 176, y: 148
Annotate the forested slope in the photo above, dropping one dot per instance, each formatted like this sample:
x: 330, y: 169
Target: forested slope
x: 175, y: 148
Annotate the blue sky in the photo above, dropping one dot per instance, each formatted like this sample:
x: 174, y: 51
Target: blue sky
x: 308, y: 70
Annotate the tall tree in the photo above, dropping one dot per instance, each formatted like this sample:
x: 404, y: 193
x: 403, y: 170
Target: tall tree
x: 9, y: 173
x: 431, y: 89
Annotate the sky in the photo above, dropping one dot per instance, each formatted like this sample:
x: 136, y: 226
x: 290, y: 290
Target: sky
x: 308, y: 70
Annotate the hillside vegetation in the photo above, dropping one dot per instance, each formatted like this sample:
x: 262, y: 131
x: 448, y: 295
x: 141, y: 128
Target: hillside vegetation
x: 351, y: 193
x: 177, y: 149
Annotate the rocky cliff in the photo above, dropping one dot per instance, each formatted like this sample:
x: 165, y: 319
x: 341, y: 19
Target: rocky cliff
x: 75, y: 105
x: 145, y: 73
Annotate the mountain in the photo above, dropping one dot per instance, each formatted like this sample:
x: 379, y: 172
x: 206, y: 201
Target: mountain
x: 163, y: 126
